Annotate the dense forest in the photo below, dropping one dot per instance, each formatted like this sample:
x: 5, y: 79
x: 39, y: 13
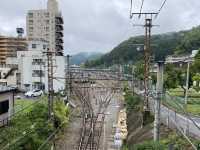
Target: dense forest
x: 131, y: 51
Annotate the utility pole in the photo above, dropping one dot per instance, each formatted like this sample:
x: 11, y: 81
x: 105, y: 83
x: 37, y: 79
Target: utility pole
x: 133, y: 79
x: 187, y: 84
x: 147, y: 53
x: 159, y: 91
x: 68, y: 86
x: 119, y: 75
x: 186, y: 96
x: 50, y: 82
x: 41, y: 74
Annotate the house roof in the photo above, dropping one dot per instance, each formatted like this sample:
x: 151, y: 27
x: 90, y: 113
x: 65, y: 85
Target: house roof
x: 5, y: 89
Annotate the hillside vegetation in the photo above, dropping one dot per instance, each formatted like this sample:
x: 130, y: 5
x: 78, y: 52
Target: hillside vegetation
x: 82, y: 57
x: 162, y: 45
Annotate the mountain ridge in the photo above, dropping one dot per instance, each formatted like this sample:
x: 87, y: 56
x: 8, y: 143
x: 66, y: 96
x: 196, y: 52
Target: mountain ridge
x: 162, y: 45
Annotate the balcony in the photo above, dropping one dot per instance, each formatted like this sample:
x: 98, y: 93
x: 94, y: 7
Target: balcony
x: 59, y: 27
x: 59, y: 19
x: 59, y: 34
x: 59, y: 41
x: 59, y: 47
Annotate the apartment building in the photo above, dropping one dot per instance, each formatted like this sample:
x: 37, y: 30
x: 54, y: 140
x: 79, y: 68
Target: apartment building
x: 6, y: 104
x: 32, y: 67
x: 9, y: 47
x: 47, y: 24
x: 8, y: 75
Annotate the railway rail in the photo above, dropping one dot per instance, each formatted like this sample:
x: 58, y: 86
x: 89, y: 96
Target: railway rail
x: 93, y: 114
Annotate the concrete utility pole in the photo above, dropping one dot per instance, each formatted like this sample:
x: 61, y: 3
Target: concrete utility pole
x: 133, y: 79
x: 187, y: 84
x: 50, y: 82
x: 41, y: 74
x: 186, y: 96
x: 68, y: 84
x: 159, y: 92
x: 147, y: 53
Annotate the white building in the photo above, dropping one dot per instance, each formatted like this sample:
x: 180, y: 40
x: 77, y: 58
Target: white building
x: 47, y: 24
x: 32, y: 67
x: 183, y: 58
x: 8, y: 75
x: 6, y: 104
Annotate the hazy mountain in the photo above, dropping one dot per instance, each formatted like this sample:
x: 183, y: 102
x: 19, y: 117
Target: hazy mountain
x: 84, y: 56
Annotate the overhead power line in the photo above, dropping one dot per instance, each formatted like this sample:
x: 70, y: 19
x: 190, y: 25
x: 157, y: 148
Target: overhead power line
x: 163, y: 4
x: 131, y: 8
x: 141, y: 8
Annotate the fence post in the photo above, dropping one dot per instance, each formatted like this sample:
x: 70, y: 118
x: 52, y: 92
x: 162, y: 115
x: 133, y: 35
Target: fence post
x: 167, y: 117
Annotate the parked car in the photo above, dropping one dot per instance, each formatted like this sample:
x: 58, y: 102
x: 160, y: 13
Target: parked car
x: 34, y: 93
x: 18, y: 97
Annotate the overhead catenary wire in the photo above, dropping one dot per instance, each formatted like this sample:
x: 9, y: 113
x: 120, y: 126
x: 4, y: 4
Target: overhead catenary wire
x: 131, y: 8
x: 141, y: 8
x: 163, y: 4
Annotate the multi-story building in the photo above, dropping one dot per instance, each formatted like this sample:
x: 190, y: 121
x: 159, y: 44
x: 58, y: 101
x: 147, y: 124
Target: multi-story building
x: 47, y: 24
x: 32, y: 67
x: 9, y: 47
x: 8, y: 75
x: 6, y: 104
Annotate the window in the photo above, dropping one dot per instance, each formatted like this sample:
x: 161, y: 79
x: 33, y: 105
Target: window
x: 38, y: 62
x: 38, y: 73
x: 47, y: 28
x: 4, y: 107
x: 34, y: 46
x: 31, y: 21
x: 30, y: 28
x: 30, y: 15
x: 44, y: 46
x: 47, y: 14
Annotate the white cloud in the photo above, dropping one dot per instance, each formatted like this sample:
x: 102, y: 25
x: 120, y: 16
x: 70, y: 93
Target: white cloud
x: 101, y: 24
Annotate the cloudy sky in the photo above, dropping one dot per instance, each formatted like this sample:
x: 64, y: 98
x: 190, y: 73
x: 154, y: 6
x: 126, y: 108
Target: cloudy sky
x: 100, y: 25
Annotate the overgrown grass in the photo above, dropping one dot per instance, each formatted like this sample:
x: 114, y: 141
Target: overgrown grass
x: 22, y: 103
x: 28, y: 129
x: 178, y: 104
x: 177, y: 142
x: 179, y: 92
x: 132, y: 101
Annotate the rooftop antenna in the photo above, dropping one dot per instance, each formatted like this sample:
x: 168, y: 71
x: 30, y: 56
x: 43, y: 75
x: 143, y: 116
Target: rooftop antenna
x: 20, y: 32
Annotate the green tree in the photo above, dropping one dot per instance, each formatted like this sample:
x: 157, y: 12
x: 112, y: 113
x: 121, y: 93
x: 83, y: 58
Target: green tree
x: 197, y: 79
x: 176, y: 76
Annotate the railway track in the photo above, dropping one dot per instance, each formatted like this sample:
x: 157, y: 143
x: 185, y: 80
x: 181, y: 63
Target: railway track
x: 93, y: 115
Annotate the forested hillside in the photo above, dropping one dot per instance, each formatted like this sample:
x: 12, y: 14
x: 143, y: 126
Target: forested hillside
x: 162, y: 45
x: 83, y: 57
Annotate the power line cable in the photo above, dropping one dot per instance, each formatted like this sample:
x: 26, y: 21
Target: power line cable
x: 131, y: 8
x: 163, y: 4
x: 141, y: 8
